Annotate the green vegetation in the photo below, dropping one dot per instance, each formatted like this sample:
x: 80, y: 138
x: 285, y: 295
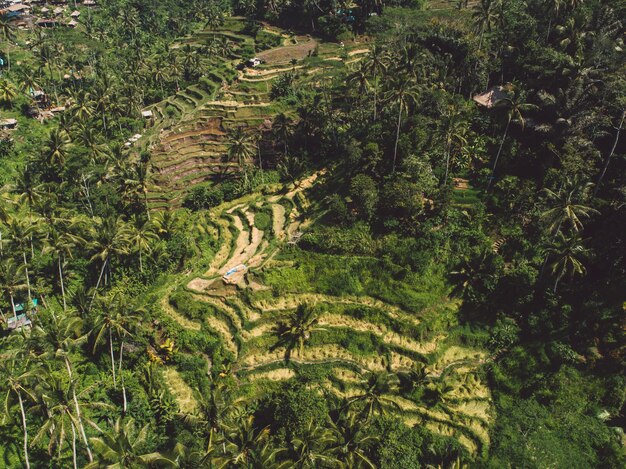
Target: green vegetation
x: 395, y: 242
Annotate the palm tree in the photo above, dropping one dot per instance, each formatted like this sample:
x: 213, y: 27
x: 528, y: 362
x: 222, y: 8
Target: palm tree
x: 10, y: 275
x: 119, y: 448
x: 7, y: 32
x: 61, y: 241
x: 116, y: 318
x: 241, y: 147
x: 110, y: 239
x: 358, y: 81
x: 377, y: 386
x: 214, y: 410
x: 184, y: 457
x: 8, y: 93
x: 553, y: 7
x: 18, y: 374
x: 350, y: 442
x: 242, y: 440
x: 297, y: 329
x: 311, y: 448
x: 455, y: 135
x: 59, y: 338
x: 55, y: 150
x: 141, y: 237
x: 484, y: 16
x: 566, y: 206
x: 567, y: 257
x: 404, y: 93
x: 377, y: 64
x: 282, y: 128
x: 21, y: 231
x: 61, y: 404
x: 515, y: 107
x: 608, y: 158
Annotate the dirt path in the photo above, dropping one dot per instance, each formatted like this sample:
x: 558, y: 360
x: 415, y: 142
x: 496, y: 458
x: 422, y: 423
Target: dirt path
x: 278, y: 220
x: 175, y: 315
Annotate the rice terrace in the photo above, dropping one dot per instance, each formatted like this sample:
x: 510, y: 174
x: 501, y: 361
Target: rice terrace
x: 283, y: 234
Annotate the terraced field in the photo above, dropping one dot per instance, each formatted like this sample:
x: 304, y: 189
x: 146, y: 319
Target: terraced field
x: 437, y: 379
x: 189, y: 136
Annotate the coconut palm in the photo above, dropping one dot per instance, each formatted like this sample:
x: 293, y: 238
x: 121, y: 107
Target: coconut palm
x: 62, y: 239
x: 484, y: 16
x: 403, y: 92
x: 297, y: 329
x: 141, y: 237
x: 7, y: 32
x: 610, y: 155
x: 119, y: 448
x: 18, y: 375
x: 566, y: 254
x: 282, y: 128
x: 61, y: 406
x: 567, y: 207
x: 455, y: 135
x: 350, y: 442
x: 11, y: 274
x: 377, y: 65
x: 243, y: 441
x: 241, y: 147
x: 311, y: 448
x: 8, y: 93
x: 377, y: 386
x: 21, y: 231
x: 55, y: 150
x: 62, y: 335
x: 110, y: 238
x: 515, y: 107
x: 184, y: 457
x: 116, y: 319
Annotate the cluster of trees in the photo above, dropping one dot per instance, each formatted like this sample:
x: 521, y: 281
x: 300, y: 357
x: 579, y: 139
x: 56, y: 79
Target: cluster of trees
x: 523, y: 202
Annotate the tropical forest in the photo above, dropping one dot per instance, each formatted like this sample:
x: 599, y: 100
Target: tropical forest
x: 272, y: 234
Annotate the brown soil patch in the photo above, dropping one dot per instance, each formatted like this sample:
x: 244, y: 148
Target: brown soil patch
x: 285, y: 54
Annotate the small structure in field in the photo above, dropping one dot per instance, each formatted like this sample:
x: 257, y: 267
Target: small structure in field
x: 47, y: 23
x: 17, y: 323
x: 235, y: 275
x: 75, y: 14
x: 254, y: 62
x: 146, y: 114
x: 72, y: 24
x: 8, y: 124
x: 491, y: 97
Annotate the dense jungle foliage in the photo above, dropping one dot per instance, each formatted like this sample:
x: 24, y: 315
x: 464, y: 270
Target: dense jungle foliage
x: 457, y: 173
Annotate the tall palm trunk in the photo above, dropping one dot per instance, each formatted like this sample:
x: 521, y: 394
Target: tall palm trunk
x: 495, y: 163
x: 30, y: 298
x: 395, y: 148
x: 77, y: 408
x: 25, y: 429
x: 112, y: 357
x: 62, y: 283
x: 13, y: 306
x: 608, y: 158
x: 122, y: 376
x: 375, y: 96
x: 98, y: 282
x: 74, y: 445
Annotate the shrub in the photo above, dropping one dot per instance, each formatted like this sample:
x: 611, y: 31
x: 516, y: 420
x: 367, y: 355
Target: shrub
x: 263, y: 221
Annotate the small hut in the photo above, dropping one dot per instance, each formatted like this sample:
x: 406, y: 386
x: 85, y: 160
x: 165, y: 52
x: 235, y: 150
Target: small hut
x: 491, y: 97
x: 8, y: 124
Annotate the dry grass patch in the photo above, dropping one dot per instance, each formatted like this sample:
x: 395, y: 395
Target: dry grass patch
x: 180, y: 390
